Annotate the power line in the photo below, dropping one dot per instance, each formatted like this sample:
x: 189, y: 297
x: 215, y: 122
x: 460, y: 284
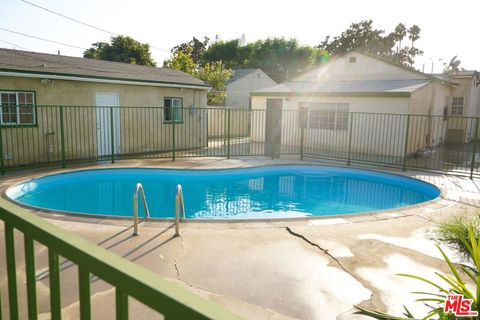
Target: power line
x: 83, y: 23
x: 43, y: 39
x: 13, y: 44
x: 72, y: 19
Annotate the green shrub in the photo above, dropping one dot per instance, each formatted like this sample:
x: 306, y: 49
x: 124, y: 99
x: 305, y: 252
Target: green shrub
x: 454, y: 232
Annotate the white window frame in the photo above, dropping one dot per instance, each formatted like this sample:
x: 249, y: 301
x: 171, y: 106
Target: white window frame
x: 455, y: 106
x: 17, y: 109
x: 175, y: 110
x: 334, y: 106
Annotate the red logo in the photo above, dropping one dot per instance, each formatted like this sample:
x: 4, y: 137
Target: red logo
x: 459, y: 306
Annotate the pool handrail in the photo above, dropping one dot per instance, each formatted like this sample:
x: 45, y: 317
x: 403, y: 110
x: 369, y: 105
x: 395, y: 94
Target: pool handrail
x: 179, y: 204
x: 139, y: 188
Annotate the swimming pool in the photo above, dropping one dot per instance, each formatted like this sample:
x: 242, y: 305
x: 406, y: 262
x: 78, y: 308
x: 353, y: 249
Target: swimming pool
x: 252, y: 193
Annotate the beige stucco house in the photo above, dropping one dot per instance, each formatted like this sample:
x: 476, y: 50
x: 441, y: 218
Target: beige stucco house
x: 237, y: 90
x: 242, y: 82
x: 148, y: 101
x: 360, y: 84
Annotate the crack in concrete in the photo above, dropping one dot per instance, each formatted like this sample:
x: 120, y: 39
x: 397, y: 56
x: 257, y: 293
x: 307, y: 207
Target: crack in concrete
x: 177, y: 270
x: 325, y: 251
x: 177, y: 260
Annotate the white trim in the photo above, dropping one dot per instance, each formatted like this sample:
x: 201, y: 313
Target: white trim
x: 17, y: 109
x: 86, y: 79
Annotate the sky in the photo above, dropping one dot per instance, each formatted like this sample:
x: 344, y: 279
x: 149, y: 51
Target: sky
x: 448, y: 28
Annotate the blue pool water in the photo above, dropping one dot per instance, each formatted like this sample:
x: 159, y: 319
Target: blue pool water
x: 264, y: 192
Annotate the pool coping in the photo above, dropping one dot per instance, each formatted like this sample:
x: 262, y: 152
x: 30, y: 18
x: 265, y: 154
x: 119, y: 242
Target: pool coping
x: 438, y: 203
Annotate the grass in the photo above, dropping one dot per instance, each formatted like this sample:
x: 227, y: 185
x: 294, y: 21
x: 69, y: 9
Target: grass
x: 454, y: 232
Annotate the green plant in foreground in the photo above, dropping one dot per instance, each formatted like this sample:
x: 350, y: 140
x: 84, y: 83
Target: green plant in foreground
x: 453, y: 283
x: 451, y: 232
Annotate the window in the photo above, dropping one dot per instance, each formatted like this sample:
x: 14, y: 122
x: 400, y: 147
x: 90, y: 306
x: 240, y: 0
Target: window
x: 17, y: 108
x: 172, y: 111
x: 330, y: 116
x: 457, y: 106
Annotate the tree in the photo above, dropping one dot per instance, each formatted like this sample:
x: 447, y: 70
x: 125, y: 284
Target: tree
x: 364, y: 37
x: 361, y: 36
x: 280, y: 58
x: 121, y: 49
x: 182, y: 60
x: 213, y: 73
x: 231, y: 53
x: 283, y: 59
x: 195, y: 48
x: 216, y: 75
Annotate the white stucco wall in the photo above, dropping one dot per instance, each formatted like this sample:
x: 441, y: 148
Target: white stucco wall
x: 378, y: 124
x: 365, y: 68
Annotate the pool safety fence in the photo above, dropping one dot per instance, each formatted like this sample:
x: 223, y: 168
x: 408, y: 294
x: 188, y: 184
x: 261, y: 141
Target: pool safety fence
x: 64, y: 135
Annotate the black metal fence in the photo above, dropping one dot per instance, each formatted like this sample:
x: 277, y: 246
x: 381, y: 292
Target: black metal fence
x: 60, y: 135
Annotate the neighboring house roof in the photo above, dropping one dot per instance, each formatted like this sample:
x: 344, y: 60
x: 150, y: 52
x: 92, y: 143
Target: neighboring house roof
x: 240, y: 73
x: 406, y: 68
x: 457, y: 74
x: 343, y: 88
x: 57, y: 66
x: 390, y: 87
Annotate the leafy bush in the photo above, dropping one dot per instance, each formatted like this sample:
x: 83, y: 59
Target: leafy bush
x: 454, y: 232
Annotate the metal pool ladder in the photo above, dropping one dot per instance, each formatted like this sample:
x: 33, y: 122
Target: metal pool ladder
x: 179, y: 205
x: 139, y: 188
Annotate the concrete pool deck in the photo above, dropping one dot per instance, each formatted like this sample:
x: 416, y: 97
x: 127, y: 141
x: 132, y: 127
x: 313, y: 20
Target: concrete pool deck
x: 306, y: 269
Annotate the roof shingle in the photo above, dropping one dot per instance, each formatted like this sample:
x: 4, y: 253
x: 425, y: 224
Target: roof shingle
x: 25, y: 61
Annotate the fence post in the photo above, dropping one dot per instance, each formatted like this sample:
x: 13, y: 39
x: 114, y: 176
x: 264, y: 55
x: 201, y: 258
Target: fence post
x: 112, y: 138
x: 474, y: 149
x: 302, y: 123
x: 62, y: 137
x: 302, y: 142
x: 228, y: 133
x: 349, y: 155
x: 405, y: 149
x: 173, y: 138
x: 2, y: 158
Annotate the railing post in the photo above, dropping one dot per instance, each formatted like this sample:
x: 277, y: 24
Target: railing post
x: 54, y: 275
x: 228, y: 133
x: 350, y: 127
x: 11, y: 271
x: 30, y: 277
x: 173, y: 139
x: 112, y: 138
x: 121, y: 304
x: 84, y: 293
x: 472, y: 167
x: 405, y: 149
x: 62, y: 137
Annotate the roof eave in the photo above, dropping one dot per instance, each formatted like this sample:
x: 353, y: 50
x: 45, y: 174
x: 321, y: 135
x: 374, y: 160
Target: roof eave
x: 398, y: 94
x: 86, y: 78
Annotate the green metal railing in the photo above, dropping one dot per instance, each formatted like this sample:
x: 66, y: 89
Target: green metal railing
x: 63, y: 135
x: 128, y: 279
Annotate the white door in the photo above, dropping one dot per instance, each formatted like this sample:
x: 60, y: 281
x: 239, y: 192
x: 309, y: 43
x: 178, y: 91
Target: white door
x: 107, y: 103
